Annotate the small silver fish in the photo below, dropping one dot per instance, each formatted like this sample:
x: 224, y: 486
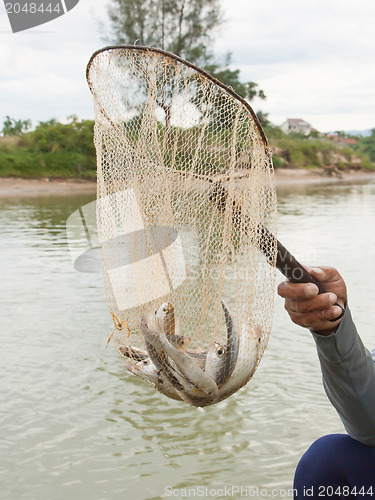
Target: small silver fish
x: 171, y: 329
x: 158, y: 357
x: 161, y: 362
x: 147, y: 371
x: 247, y: 360
x: 199, y: 388
x: 152, y: 366
x: 171, y: 326
x: 137, y: 354
x: 220, y: 361
x: 198, y: 356
x: 150, y: 371
x: 169, y: 371
x: 178, y: 372
x: 168, y: 317
x: 133, y: 352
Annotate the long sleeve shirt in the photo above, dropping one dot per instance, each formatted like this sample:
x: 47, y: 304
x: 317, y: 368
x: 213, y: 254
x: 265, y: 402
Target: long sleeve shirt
x: 348, y: 370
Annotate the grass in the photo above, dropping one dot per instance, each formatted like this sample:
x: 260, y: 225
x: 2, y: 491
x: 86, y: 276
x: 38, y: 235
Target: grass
x: 16, y: 160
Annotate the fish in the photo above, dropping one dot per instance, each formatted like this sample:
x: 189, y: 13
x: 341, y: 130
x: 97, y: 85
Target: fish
x: 190, y: 376
x: 187, y: 375
x: 214, y: 360
x: 199, y: 388
x: 179, y: 341
x: 148, y: 372
x: 150, y: 363
x: 220, y: 360
x: 163, y: 363
x: 148, y: 367
x: 249, y: 340
x: 133, y: 352
x: 171, y: 327
x: 169, y: 318
x: 158, y: 357
x: 183, y: 387
x: 199, y: 357
x: 152, y: 366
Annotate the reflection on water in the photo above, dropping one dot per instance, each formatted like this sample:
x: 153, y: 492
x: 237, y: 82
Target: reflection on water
x: 75, y: 423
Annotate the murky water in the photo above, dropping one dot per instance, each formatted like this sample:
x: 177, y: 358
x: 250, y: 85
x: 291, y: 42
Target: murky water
x: 75, y: 424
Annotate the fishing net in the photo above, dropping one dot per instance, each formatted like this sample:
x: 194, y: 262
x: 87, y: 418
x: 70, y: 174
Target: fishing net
x: 184, y: 179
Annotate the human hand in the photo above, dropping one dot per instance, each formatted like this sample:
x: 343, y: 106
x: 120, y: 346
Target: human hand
x: 310, y: 310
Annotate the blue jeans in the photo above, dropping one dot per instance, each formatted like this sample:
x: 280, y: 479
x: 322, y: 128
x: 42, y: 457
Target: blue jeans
x: 336, y: 466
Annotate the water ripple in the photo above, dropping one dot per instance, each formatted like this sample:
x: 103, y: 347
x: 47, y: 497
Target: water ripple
x: 75, y: 424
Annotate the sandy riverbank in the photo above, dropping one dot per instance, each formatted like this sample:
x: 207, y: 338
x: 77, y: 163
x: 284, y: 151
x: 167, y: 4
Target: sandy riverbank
x: 285, y: 177
x: 17, y: 187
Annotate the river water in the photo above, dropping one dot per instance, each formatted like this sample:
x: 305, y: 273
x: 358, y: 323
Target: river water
x: 75, y: 424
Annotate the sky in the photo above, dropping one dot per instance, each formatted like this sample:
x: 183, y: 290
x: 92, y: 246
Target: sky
x: 314, y: 60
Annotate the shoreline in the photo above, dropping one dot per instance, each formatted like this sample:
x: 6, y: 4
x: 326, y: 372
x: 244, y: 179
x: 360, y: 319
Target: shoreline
x: 14, y: 187
x: 288, y: 177
x: 17, y: 187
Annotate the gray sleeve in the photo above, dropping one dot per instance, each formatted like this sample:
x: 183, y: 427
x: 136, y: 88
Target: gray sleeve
x: 348, y: 371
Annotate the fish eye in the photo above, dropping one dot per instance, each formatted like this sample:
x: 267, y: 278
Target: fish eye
x: 221, y: 351
x: 146, y: 361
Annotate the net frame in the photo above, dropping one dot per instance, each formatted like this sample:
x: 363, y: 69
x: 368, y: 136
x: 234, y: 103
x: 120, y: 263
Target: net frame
x: 234, y: 205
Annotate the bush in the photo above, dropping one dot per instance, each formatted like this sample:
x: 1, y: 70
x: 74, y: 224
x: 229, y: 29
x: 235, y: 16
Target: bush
x: 53, y: 149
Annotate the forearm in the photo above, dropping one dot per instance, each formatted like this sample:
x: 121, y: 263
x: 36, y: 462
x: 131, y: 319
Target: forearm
x: 349, y: 379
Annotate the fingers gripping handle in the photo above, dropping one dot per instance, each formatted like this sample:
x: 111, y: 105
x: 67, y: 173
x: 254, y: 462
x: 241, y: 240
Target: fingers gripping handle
x: 295, y: 272
x: 287, y: 263
x: 266, y: 242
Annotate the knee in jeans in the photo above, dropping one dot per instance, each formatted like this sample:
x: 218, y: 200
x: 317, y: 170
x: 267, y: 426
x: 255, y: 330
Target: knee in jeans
x: 323, y: 459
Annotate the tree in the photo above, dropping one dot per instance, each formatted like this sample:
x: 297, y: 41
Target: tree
x: 263, y: 119
x: 183, y: 27
x: 231, y: 78
x: 53, y: 136
x: 15, y: 127
x: 368, y: 145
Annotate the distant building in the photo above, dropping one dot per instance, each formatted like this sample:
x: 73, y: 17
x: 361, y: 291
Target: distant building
x: 296, y: 125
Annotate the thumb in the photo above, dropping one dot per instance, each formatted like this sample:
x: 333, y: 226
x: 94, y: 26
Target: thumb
x: 325, y: 274
x: 331, y: 279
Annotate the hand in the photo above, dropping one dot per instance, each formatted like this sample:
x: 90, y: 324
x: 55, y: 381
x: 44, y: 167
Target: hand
x: 308, y: 309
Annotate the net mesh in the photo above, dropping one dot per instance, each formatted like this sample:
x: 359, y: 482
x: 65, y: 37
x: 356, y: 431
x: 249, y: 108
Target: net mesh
x: 184, y: 180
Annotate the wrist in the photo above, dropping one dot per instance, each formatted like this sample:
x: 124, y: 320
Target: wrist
x: 325, y: 333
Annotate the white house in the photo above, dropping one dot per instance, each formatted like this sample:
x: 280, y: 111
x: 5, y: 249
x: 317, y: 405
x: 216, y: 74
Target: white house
x: 296, y: 125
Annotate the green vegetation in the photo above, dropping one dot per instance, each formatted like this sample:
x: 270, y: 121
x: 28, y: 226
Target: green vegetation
x: 15, y: 127
x: 366, y: 145
x: 185, y: 28
x: 51, y: 150
x: 57, y: 150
